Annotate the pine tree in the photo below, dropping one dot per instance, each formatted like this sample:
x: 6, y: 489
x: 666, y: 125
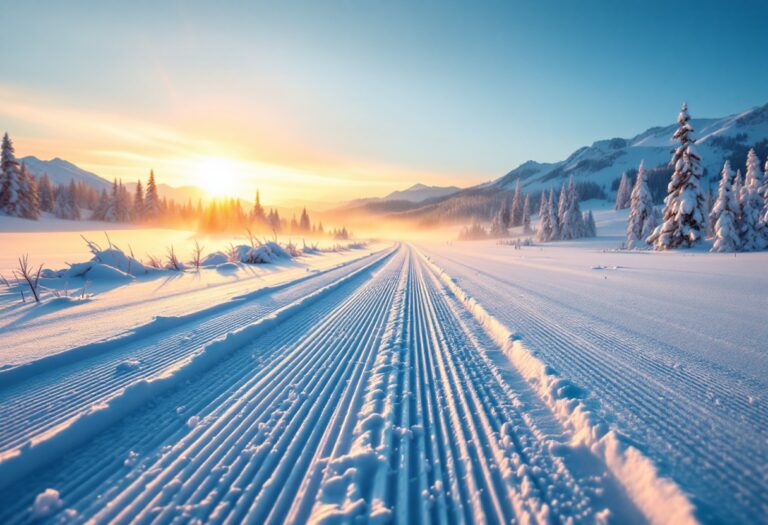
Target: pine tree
x: 498, y: 228
x: 29, y: 199
x: 10, y: 179
x: 517, y: 206
x: 527, y: 214
x: 74, y: 210
x: 138, y: 202
x: 546, y: 217
x: 304, y: 222
x: 101, y: 211
x: 623, y: 194
x: 45, y: 190
x: 257, y: 214
x: 589, y: 225
x: 752, y: 227
x: 152, y: 205
x: 562, y: 207
x: 573, y: 222
x: 684, y: 217
x: 724, y: 214
x: 640, y: 210
x: 506, y: 214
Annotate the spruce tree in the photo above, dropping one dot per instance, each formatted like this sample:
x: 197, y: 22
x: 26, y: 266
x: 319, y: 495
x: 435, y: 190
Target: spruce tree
x: 29, y: 198
x: 152, y: 206
x: 10, y: 179
x: 724, y: 214
x: 527, y: 214
x: 590, y: 226
x: 138, y: 202
x: 304, y: 222
x: 562, y: 207
x: 640, y: 209
x: 752, y: 227
x: 546, y: 218
x: 623, y: 194
x: 517, y: 206
x: 45, y: 189
x: 572, y: 226
x: 684, y: 218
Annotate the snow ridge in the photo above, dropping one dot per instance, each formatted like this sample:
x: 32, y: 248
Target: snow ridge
x: 659, y: 498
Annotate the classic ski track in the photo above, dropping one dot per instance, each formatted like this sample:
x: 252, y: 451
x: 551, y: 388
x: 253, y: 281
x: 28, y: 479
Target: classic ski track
x: 378, y: 400
x: 43, y: 403
x: 582, y: 354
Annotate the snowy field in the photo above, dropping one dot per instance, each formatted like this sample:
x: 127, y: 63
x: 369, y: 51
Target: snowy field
x: 438, y: 381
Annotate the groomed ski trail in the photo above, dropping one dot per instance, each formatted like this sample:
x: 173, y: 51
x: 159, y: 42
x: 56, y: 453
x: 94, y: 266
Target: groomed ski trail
x: 383, y: 400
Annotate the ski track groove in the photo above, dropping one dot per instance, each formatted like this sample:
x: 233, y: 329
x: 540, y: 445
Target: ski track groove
x: 35, y: 407
x: 379, y: 400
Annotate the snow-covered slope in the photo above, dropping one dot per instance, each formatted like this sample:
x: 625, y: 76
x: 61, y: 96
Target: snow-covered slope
x: 421, y: 192
x: 717, y: 139
x: 61, y: 171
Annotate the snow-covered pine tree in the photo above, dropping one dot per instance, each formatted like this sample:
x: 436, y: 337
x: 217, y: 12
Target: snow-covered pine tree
x: 562, y: 207
x: 572, y: 226
x: 527, y: 214
x: 724, y: 214
x: 623, y: 194
x: 257, y: 213
x: 506, y: 214
x: 74, y: 209
x: 152, y: 206
x: 65, y: 206
x: 498, y: 228
x: 304, y: 222
x: 10, y: 178
x: 138, y: 202
x: 29, y: 199
x: 684, y: 218
x: 649, y: 226
x: 102, y: 207
x: 752, y: 227
x: 546, y: 217
x: 554, y: 206
x: 640, y: 209
x: 45, y: 190
x: 517, y: 206
x: 589, y: 225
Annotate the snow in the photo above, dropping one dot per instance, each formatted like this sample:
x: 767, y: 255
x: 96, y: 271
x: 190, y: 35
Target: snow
x: 46, y: 503
x: 668, y: 346
x: 569, y: 382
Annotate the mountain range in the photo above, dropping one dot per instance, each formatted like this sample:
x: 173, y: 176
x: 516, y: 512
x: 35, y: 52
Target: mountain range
x: 602, y: 163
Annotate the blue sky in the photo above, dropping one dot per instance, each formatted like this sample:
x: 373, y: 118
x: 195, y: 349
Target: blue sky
x: 364, y: 96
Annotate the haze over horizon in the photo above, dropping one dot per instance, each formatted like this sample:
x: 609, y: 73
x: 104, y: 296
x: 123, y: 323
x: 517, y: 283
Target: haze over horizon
x: 339, y: 101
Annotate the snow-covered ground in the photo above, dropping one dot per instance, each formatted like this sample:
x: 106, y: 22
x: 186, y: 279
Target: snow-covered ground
x: 439, y: 381
x: 671, y: 348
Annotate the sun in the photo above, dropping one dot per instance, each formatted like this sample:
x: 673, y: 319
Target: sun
x: 218, y: 176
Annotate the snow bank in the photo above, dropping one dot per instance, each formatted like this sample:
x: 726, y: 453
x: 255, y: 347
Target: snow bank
x: 9, y: 376
x: 214, y: 259
x: 268, y: 252
x: 660, y: 499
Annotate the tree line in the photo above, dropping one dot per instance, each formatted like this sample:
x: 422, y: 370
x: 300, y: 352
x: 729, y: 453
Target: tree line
x: 23, y: 195
x: 737, y: 221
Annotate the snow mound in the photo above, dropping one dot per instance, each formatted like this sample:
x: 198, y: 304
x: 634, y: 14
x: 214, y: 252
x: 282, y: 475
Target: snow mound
x: 95, y: 271
x: 214, y: 259
x: 115, y: 258
x: 46, y: 504
x: 266, y: 253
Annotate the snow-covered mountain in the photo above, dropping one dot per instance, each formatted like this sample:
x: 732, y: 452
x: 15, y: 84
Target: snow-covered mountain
x: 717, y: 139
x: 421, y: 192
x: 61, y: 171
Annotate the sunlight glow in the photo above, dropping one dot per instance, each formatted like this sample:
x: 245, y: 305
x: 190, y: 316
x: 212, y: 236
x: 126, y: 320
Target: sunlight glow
x: 219, y: 176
